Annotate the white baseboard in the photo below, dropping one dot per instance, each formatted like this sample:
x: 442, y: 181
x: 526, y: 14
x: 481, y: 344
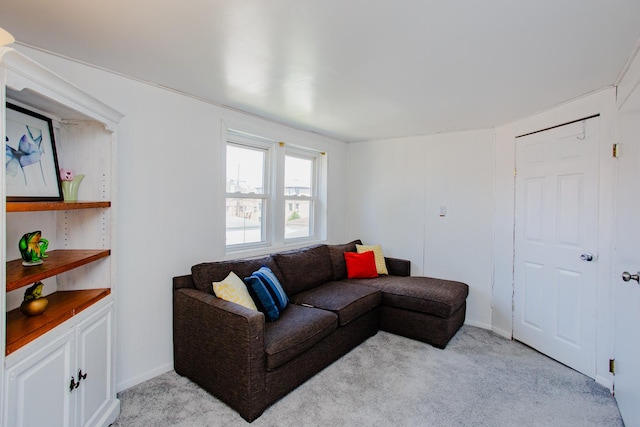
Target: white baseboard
x: 482, y: 325
x: 607, y: 382
x: 110, y: 414
x: 477, y: 324
x: 502, y: 332
x: 130, y: 382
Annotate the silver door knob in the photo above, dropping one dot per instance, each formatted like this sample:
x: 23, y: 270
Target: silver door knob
x: 626, y: 276
x: 587, y: 256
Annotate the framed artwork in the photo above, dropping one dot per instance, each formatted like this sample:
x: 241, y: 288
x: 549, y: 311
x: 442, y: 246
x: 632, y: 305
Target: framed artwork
x: 31, y: 161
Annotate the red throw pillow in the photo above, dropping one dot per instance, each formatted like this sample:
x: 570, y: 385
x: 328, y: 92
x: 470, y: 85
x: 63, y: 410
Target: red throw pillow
x: 361, y: 266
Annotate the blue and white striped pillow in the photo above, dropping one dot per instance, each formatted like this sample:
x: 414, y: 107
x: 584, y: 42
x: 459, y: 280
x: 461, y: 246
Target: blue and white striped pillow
x: 267, y: 292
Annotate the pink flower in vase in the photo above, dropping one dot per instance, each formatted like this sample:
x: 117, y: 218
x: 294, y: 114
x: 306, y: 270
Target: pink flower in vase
x: 66, y: 174
x: 70, y: 183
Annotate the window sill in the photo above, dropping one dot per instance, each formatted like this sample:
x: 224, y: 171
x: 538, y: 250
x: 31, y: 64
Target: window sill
x: 267, y: 250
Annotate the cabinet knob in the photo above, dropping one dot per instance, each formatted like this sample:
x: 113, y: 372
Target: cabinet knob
x: 73, y: 384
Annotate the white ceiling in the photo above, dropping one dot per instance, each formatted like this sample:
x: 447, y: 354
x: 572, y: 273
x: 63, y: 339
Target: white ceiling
x: 351, y: 69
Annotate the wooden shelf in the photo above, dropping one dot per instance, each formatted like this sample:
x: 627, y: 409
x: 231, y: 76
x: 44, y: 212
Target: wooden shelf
x: 57, y: 262
x: 63, y: 305
x: 55, y: 206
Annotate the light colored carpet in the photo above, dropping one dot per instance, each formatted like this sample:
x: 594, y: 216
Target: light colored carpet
x: 480, y: 379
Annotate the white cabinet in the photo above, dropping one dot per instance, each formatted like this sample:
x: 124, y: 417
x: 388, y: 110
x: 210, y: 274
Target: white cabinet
x: 35, y: 386
x: 94, y: 387
x: 41, y: 355
x: 67, y: 382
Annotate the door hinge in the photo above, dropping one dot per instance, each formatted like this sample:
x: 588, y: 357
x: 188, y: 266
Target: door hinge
x: 612, y: 366
x: 515, y: 172
x: 614, y: 151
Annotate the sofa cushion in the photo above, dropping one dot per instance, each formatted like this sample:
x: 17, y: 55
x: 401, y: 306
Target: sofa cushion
x: 381, y: 265
x: 273, y: 285
x: 361, y: 266
x: 206, y: 273
x: 336, y: 255
x: 422, y: 294
x: 233, y: 289
x: 267, y: 293
x: 305, y: 268
x: 297, y: 330
x: 348, y: 301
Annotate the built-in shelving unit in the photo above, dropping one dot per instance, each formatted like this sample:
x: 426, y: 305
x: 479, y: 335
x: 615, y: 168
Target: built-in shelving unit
x: 41, y: 353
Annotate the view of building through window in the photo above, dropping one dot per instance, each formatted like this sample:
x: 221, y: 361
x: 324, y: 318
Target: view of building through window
x: 298, y: 181
x: 255, y: 192
x: 245, y: 183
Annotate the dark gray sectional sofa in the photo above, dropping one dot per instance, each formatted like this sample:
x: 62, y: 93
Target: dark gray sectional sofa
x: 249, y: 363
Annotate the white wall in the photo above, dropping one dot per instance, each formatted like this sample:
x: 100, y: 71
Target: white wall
x: 603, y: 103
x: 386, y: 197
x: 396, y: 188
x: 169, y: 204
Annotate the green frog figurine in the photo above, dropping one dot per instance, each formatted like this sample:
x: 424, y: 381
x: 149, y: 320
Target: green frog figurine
x: 32, y: 248
x: 34, y: 302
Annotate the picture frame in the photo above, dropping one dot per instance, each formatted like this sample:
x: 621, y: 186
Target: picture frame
x: 31, y: 158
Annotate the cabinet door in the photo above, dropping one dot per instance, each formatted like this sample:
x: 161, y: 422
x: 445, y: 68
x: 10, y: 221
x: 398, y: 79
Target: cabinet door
x: 38, y: 387
x: 94, y: 353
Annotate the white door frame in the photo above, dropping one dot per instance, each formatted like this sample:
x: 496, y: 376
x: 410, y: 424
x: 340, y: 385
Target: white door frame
x: 626, y: 318
x: 604, y: 104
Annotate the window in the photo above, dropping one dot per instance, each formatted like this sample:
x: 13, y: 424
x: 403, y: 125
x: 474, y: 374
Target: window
x: 271, y: 195
x: 247, y: 195
x: 299, y: 195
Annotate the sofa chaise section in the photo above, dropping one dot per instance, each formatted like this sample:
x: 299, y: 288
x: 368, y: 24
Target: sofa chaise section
x: 422, y: 308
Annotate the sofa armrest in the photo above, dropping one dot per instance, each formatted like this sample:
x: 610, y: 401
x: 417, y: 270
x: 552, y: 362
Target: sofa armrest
x: 398, y: 267
x: 183, y: 282
x: 220, y: 346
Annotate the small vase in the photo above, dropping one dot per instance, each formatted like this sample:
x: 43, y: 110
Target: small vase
x: 34, y: 307
x: 70, y: 188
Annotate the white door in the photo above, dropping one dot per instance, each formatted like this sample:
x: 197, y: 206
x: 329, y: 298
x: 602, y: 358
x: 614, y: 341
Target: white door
x: 555, y: 265
x: 627, y: 294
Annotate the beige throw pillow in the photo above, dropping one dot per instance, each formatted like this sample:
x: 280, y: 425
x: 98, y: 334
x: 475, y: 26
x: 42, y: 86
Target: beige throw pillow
x: 233, y: 289
x: 381, y: 265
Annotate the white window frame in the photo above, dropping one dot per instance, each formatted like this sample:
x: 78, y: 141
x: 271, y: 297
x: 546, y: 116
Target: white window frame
x: 248, y: 141
x: 273, y: 220
x: 316, y: 159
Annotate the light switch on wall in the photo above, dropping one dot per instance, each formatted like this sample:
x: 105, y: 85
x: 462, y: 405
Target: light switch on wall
x: 443, y: 210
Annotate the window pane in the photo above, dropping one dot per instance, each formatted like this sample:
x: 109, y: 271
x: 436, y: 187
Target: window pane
x: 245, y: 169
x: 244, y: 221
x: 297, y: 219
x: 297, y: 176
